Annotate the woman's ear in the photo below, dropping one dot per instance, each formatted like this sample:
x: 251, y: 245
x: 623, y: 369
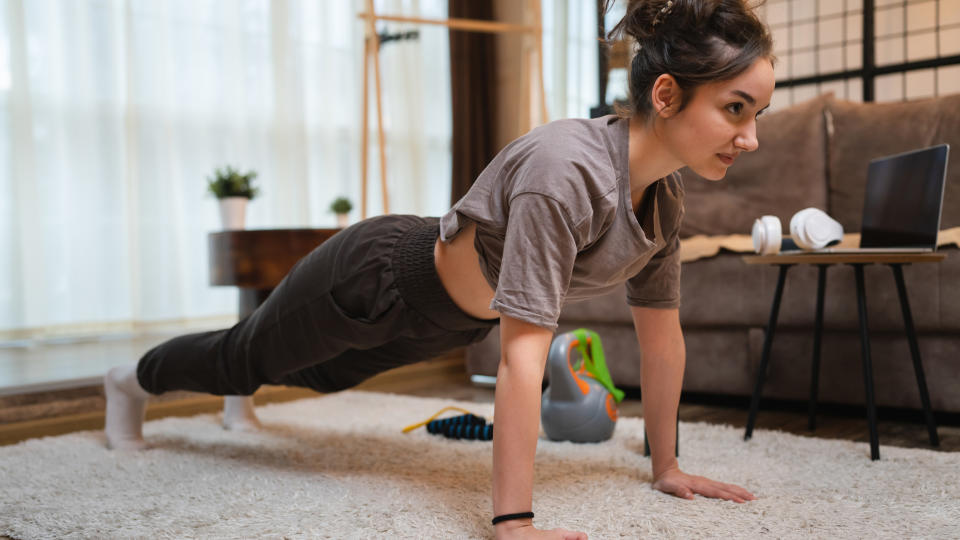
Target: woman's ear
x: 666, y: 96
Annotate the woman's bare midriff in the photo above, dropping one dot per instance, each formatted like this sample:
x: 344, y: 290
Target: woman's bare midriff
x: 459, y: 268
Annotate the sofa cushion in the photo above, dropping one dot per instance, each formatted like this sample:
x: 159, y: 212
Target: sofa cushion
x: 861, y: 132
x: 786, y: 174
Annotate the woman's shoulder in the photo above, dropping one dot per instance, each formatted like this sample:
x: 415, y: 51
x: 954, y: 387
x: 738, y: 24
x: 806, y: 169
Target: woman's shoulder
x: 571, y: 150
x: 571, y: 135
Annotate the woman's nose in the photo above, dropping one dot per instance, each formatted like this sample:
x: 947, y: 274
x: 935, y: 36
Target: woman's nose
x: 746, y: 140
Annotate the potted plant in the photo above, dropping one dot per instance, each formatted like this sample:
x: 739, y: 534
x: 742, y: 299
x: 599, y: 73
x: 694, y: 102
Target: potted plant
x: 234, y: 190
x: 341, y: 206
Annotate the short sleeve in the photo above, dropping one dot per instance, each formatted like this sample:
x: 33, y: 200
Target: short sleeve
x: 539, y: 251
x: 657, y: 285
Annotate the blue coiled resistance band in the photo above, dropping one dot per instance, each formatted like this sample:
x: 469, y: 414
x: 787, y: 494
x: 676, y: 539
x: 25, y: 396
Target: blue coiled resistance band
x: 466, y: 426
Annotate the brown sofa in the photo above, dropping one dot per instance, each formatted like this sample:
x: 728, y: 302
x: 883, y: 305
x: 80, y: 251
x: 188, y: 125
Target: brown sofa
x: 812, y: 154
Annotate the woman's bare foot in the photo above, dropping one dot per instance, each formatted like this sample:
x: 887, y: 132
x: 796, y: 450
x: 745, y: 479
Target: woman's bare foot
x: 126, y: 407
x: 238, y: 414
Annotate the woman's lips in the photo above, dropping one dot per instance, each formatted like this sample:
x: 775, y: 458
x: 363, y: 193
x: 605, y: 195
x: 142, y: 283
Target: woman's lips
x: 728, y: 159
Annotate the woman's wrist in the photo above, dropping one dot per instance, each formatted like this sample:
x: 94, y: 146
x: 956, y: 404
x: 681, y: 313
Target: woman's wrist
x: 505, y: 527
x: 660, y: 468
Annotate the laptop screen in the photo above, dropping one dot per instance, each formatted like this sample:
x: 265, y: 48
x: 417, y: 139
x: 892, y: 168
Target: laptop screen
x: 903, y: 199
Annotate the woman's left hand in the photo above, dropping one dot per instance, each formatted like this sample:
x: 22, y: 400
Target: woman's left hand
x: 680, y: 484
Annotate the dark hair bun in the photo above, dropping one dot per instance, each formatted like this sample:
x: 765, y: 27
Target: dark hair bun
x: 644, y: 19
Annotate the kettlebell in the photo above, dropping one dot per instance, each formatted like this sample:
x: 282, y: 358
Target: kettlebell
x: 580, y: 403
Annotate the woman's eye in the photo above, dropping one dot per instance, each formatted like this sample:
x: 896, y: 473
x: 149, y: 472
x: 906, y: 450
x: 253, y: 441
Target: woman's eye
x: 735, y: 108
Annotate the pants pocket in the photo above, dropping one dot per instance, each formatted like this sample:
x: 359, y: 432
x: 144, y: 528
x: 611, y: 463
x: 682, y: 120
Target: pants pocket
x: 364, y: 304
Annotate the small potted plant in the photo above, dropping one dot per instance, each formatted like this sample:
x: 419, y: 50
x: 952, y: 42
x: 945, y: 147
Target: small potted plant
x: 234, y: 190
x: 341, y: 206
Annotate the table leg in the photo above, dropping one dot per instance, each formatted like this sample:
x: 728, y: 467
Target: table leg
x: 817, y: 334
x: 867, y: 363
x: 915, y: 353
x: 765, y: 357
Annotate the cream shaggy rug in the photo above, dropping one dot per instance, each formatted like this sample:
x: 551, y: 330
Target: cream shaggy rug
x: 338, y: 467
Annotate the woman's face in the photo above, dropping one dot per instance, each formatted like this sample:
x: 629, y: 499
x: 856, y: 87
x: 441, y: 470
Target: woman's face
x: 720, y: 121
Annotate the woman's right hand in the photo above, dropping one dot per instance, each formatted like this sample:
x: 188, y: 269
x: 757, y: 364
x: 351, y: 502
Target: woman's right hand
x: 519, y: 529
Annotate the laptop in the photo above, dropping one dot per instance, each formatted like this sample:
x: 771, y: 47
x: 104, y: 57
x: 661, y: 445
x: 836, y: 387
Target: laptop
x: 902, y: 203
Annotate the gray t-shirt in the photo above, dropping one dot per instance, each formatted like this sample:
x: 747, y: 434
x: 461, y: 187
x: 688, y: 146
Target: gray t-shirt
x: 555, y: 222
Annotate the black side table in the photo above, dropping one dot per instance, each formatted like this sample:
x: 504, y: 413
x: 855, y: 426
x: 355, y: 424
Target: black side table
x: 858, y: 261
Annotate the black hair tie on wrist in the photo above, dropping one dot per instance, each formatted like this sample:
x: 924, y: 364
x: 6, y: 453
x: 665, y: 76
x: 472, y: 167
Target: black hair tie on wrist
x: 508, y: 517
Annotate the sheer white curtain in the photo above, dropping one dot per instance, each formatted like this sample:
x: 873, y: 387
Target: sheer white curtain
x: 113, y: 112
x: 570, y: 57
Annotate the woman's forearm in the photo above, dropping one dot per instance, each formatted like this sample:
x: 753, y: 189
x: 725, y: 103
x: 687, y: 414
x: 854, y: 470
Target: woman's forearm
x: 516, y: 427
x: 660, y: 384
x: 516, y: 423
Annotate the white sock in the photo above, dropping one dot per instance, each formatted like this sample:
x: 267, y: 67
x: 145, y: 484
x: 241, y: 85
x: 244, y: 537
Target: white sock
x: 126, y: 407
x: 238, y: 414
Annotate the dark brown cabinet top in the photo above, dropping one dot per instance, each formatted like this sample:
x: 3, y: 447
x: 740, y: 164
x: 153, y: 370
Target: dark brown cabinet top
x: 260, y: 258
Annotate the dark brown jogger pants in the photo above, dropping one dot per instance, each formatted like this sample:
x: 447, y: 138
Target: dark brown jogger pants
x: 365, y: 301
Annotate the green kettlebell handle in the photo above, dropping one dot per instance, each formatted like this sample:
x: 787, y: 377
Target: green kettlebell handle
x: 594, y: 362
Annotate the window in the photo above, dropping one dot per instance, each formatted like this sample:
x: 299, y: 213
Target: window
x: 864, y: 50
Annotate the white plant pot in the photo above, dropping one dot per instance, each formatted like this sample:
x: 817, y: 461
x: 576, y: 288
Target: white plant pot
x: 233, y: 211
x: 343, y: 220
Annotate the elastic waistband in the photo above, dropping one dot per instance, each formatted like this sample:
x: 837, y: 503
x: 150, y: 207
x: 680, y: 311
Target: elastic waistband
x: 419, y: 284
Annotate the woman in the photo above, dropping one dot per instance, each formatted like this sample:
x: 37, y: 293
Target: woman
x: 570, y: 210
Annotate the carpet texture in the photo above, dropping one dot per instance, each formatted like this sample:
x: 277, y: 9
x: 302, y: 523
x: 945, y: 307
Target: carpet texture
x: 338, y: 467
